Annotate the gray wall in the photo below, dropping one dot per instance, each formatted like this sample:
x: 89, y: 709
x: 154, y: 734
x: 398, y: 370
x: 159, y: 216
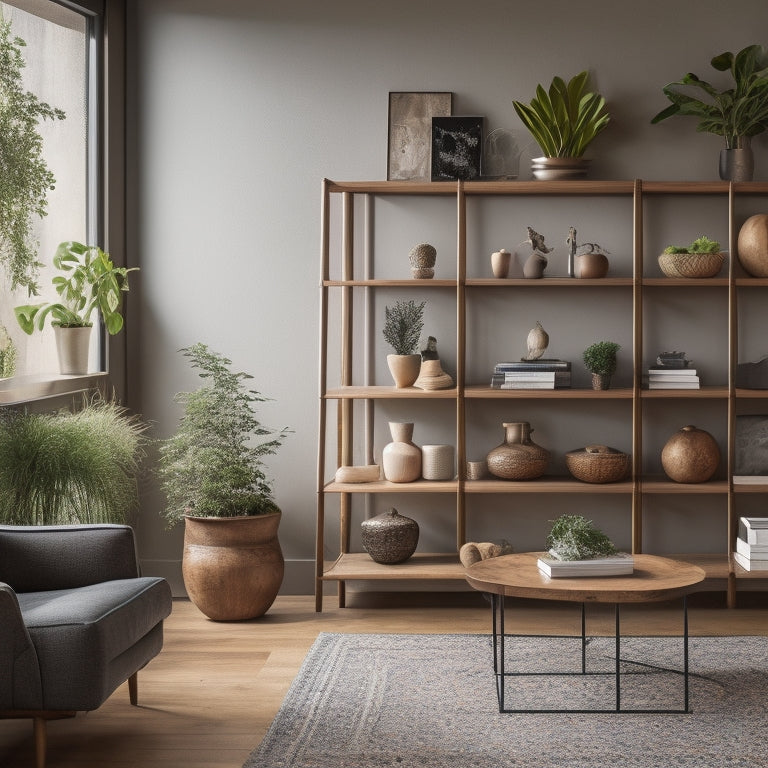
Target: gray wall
x: 238, y: 109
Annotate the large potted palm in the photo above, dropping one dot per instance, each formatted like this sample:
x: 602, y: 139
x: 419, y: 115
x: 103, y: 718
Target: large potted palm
x: 212, y: 473
x: 737, y: 113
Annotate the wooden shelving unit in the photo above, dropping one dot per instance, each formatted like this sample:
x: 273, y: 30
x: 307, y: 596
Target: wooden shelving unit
x: 722, y: 573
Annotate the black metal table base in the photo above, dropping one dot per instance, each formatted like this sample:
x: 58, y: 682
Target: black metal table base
x: 500, y: 661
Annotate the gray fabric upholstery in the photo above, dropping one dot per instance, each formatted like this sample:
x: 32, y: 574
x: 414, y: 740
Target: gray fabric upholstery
x: 75, y: 619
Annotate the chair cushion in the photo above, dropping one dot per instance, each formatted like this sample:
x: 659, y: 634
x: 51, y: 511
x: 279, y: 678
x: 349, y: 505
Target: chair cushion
x: 79, y: 634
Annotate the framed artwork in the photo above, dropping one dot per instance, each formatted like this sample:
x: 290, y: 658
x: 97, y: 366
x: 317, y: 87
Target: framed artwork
x: 410, y: 132
x: 457, y: 144
x: 751, y: 446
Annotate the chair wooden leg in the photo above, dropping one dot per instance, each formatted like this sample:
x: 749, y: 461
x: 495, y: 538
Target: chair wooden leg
x: 133, y: 688
x: 40, y: 730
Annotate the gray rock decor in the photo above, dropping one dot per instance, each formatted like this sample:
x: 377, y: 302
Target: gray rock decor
x: 390, y: 538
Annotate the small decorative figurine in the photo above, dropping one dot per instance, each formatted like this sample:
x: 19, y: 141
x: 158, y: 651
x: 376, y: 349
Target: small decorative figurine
x: 431, y: 375
x: 538, y: 341
x: 537, y: 262
x: 587, y: 260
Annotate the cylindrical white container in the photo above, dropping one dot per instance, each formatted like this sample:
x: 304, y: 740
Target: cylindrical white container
x: 437, y: 462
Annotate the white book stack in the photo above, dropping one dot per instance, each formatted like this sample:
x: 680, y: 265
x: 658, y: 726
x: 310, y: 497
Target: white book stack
x: 673, y: 378
x: 752, y: 544
x: 620, y: 564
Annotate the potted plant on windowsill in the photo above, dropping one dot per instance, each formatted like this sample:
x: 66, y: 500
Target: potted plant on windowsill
x: 600, y: 360
x: 564, y: 121
x: 90, y: 282
x: 737, y: 113
x: 212, y: 473
x: 403, y: 325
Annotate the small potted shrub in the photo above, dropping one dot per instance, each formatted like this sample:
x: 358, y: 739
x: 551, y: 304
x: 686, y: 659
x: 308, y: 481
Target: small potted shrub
x: 600, y: 360
x: 403, y: 324
x: 212, y: 473
x: 564, y: 121
x: 90, y: 282
x: 702, y: 258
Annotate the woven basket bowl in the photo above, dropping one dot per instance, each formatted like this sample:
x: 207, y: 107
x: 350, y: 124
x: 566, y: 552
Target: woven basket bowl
x: 691, y: 264
x: 598, y: 464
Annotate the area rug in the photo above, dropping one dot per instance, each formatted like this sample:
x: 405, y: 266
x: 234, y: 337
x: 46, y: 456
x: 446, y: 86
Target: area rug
x: 429, y: 701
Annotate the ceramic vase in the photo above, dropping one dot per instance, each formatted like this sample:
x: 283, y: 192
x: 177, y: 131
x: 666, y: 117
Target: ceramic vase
x: 404, y: 369
x: 437, y: 462
x: 752, y: 245
x: 535, y: 265
x: 389, y: 538
x: 518, y: 457
x: 401, y: 459
x: 232, y: 566
x: 591, y: 265
x: 691, y: 455
x: 500, y: 261
x: 737, y: 164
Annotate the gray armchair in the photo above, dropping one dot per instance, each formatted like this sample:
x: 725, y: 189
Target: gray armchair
x: 76, y: 620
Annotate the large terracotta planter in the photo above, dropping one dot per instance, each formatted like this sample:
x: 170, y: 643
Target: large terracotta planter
x: 232, y: 566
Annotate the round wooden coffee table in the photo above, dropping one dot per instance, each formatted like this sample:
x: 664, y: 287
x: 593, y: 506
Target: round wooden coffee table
x: 654, y: 579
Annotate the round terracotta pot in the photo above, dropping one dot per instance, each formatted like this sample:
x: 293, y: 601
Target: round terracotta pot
x: 232, y: 566
x: 691, y: 455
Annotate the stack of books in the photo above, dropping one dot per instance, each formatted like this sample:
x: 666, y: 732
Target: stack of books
x: 620, y: 564
x: 752, y: 544
x: 532, y: 374
x: 672, y: 378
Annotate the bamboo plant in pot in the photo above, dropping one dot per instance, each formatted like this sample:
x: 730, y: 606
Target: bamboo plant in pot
x: 212, y: 473
x: 564, y: 120
x: 89, y: 282
x: 737, y: 113
x: 403, y: 324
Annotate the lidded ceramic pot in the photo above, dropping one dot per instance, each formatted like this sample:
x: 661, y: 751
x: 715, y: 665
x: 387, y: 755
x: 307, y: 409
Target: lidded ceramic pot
x: 518, y: 457
x: 389, y: 538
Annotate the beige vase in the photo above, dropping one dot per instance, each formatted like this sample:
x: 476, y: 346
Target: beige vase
x: 73, y: 346
x: 401, y: 459
x: 232, y: 566
x: 518, y: 457
x: 404, y: 369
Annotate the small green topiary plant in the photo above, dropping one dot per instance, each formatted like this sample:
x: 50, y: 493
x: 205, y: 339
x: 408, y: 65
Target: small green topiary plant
x: 403, y: 325
x: 573, y: 537
x: 600, y: 358
x: 700, y: 245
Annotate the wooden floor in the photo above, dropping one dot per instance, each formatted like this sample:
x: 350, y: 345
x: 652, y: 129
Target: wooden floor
x: 208, y: 698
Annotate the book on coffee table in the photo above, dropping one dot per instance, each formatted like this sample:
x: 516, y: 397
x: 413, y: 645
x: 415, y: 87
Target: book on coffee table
x: 620, y: 564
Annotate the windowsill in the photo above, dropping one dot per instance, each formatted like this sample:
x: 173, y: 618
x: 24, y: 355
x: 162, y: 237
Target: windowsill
x: 24, y: 389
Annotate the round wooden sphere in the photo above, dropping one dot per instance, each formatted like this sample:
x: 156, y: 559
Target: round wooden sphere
x: 753, y: 245
x: 691, y: 455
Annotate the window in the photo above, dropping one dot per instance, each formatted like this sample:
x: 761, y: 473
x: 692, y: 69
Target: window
x: 62, y: 61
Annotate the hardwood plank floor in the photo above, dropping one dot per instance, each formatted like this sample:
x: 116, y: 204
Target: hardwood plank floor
x: 209, y: 697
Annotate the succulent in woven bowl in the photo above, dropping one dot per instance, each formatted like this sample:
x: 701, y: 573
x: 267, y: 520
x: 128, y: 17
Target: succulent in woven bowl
x: 702, y: 258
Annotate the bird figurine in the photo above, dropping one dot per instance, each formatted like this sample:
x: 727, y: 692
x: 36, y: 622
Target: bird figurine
x: 537, y: 241
x: 538, y: 341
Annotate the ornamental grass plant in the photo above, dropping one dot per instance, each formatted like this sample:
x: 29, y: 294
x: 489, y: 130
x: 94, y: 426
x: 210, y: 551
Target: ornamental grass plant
x: 70, y: 467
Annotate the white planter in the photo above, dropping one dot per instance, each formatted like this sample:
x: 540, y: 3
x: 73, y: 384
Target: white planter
x: 73, y: 346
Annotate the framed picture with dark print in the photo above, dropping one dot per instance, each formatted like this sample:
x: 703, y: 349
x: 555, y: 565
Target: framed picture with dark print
x: 457, y: 144
x: 751, y: 448
x: 410, y: 132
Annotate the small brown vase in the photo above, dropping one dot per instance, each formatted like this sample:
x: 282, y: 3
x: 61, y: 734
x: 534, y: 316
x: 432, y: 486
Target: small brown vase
x: 401, y: 459
x: 691, y: 455
x: 601, y: 381
x: 232, y: 566
x: 591, y: 265
x: 518, y: 457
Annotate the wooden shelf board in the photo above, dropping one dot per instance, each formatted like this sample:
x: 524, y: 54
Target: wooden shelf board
x: 752, y: 394
x: 669, y: 486
x: 685, y: 282
x: 716, y: 566
x: 485, y: 392
x: 712, y: 393
x: 391, y: 283
x: 385, y: 486
x: 359, y: 566
x: 750, y: 487
x: 546, y: 485
x: 549, y: 282
x: 391, y: 392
